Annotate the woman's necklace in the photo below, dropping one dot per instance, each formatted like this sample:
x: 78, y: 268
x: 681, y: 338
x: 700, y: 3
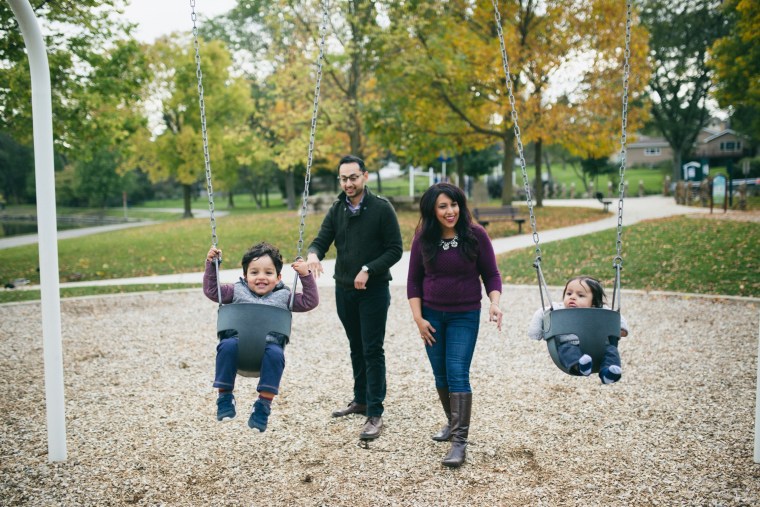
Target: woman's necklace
x: 449, y: 243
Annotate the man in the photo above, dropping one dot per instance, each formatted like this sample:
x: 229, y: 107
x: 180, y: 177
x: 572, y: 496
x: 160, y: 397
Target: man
x: 367, y: 238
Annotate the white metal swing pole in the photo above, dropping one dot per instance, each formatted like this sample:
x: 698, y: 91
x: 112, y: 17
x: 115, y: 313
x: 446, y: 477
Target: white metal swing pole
x: 757, y: 404
x: 42, y: 116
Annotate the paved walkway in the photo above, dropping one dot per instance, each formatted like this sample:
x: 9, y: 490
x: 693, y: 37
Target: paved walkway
x: 634, y: 210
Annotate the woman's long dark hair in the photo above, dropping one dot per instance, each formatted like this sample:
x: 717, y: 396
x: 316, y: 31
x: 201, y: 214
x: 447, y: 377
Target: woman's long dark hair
x: 429, y: 228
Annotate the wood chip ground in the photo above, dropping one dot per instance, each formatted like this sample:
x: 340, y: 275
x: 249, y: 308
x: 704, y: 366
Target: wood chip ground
x: 677, y: 430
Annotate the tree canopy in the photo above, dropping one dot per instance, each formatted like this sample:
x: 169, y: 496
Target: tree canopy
x: 736, y: 61
x: 408, y: 79
x: 448, y: 79
x: 681, y: 33
x: 174, y: 150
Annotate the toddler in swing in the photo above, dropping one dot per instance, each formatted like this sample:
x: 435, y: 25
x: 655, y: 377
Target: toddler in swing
x: 261, y: 283
x: 582, y: 292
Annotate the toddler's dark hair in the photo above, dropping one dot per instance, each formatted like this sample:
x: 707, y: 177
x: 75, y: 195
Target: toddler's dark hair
x: 260, y: 250
x: 598, y: 297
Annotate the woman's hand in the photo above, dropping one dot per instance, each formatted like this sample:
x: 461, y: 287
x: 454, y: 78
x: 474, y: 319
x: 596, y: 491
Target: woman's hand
x: 426, y: 331
x: 495, y: 315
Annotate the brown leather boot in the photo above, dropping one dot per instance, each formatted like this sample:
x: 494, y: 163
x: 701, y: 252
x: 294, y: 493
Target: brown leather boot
x: 461, y: 405
x: 445, y: 433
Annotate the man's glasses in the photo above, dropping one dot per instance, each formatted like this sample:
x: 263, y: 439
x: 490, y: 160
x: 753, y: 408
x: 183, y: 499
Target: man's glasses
x: 353, y: 178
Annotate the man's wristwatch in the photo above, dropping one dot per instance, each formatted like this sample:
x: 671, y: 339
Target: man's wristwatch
x: 365, y: 268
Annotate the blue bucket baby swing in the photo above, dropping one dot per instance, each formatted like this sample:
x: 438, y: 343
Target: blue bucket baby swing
x: 593, y: 326
x: 252, y: 322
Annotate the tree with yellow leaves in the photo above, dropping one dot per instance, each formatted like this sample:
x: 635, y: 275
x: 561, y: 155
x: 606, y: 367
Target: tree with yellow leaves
x: 448, y: 71
x: 291, y: 31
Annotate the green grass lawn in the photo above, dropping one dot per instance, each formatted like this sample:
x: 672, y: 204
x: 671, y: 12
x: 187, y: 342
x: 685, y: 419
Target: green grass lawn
x: 71, y: 292
x: 400, y: 186
x: 242, y: 203
x: 180, y: 246
x: 652, y: 179
x: 692, y: 255
x: 675, y: 254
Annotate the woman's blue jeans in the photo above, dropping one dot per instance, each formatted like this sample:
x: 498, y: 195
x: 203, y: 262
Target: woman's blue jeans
x: 451, y: 355
x: 272, y: 366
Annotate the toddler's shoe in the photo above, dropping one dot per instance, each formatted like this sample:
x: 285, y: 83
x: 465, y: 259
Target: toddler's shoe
x: 225, y: 407
x: 611, y: 374
x: 585, y: 364
x: 260, y: 415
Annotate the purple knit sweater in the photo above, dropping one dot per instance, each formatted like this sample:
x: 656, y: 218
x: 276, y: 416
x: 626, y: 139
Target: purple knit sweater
x: 452, y: 283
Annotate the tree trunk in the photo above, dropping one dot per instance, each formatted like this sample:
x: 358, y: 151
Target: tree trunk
x: 290, y: 189
x: 379, y: 183
x: 256, y: 198
x: 508, y: 166
x: 539, y: 179
x: 677, y: 165
x: 354, y: 74
x: 355, y: 139
x: 581, y: 176
x: 266, y: 195
x: 231, y: 200
x: 460, y: 171
x: 187, y: 194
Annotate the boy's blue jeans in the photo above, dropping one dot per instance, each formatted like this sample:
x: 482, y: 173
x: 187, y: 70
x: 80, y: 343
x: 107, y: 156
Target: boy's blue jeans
x: 451, y: 355
x: 363, y: 314
x: 272, y: 366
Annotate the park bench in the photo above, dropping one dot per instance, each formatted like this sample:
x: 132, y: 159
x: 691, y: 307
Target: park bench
x: 600, y: 198
x: 487, y: 214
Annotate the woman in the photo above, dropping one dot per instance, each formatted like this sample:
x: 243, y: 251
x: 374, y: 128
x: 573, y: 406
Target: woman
x: 449, y: 257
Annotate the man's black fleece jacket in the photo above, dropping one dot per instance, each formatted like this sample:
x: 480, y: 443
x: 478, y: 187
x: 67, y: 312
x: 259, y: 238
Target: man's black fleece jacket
x: 370, y: 237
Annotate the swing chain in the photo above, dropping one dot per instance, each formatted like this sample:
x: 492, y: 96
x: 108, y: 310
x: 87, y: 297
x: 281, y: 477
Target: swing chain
x: 520, y: 150
x: 206, y: 156
x: 623, y: 135
x: 312, y: 134
x: 202, y: 105
x: 617, y: 262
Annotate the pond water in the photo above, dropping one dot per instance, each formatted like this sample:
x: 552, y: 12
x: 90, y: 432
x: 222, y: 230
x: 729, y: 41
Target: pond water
x: 8, y: 229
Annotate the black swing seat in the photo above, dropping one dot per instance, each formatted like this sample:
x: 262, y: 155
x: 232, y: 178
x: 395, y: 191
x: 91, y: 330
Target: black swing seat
x: 252, y: 323
x: 593, y: 326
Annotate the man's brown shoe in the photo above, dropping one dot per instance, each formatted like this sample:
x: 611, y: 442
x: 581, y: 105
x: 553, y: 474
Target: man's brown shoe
x: 352, y: 408
x: 372, y: 428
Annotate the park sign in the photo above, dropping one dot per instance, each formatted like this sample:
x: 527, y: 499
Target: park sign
x: 718, y: 191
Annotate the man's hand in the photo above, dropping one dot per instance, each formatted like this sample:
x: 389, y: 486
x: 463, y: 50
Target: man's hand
x: 312, y: 261
x: 360, y: 282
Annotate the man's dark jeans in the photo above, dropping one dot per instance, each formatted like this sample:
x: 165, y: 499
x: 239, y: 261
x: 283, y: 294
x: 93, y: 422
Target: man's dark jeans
x: 363, y: 314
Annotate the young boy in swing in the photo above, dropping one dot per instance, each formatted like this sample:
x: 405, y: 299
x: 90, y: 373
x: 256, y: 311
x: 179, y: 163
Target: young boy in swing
x: 582, y: 292
x: 261, y: 284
